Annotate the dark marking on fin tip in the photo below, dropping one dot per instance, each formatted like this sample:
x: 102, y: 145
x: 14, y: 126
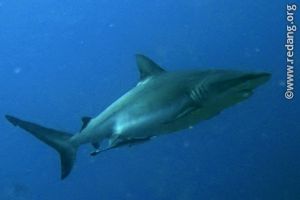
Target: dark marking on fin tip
x: 12, y: 119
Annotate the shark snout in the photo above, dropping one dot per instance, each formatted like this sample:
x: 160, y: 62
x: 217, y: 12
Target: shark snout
x: 259, y: 78
x: 230, y: 87
x: 240, y: 81
x: 251, y: 81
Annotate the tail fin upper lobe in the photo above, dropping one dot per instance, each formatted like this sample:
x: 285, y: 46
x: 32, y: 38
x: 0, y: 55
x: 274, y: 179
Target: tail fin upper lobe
x: 59, y: 140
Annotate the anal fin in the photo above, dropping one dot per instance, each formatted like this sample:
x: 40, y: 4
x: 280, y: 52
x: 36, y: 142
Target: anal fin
x: 96, y: 145
x: 97, y: 149
x: 85, y: 122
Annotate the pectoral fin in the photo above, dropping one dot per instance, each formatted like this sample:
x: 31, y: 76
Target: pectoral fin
x: 185, y: 112
x: 182, y: 114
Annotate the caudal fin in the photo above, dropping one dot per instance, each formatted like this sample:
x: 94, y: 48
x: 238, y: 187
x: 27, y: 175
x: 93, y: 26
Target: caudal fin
x: 59, y: 140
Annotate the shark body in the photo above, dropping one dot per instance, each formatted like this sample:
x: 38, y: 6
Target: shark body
x: 162, y: 102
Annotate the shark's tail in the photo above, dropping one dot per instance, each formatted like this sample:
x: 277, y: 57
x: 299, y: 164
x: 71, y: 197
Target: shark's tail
x: 59, y: 140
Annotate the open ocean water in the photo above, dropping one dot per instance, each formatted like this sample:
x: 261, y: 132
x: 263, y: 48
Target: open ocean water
x: 61, y: 60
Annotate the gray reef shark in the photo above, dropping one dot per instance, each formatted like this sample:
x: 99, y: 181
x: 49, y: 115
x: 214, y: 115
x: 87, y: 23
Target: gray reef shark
x: 162, y: 102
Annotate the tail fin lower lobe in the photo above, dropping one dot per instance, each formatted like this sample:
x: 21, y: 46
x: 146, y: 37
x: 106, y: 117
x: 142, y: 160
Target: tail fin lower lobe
x: 59, y: 140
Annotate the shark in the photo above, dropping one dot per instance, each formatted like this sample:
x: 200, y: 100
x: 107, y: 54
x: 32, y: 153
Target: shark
x: 162, y: 102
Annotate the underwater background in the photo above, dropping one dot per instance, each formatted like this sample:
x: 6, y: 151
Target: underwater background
x: 61, y: 60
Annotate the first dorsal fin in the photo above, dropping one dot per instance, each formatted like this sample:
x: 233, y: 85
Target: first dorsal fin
x: 147, y: 67
x: 85, y: 122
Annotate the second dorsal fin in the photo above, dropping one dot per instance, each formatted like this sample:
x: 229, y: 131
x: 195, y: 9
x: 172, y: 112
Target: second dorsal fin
x: 85, y: 122
x: 147, y: 67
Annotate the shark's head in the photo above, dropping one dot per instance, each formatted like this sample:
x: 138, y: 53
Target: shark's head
x: 226, y: 88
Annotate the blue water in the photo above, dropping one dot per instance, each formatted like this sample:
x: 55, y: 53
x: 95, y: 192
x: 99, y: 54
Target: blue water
x: 61, y: 60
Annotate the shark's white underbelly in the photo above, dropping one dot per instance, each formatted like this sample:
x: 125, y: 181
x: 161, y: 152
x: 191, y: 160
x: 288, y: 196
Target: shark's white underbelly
x: 141, y: 126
